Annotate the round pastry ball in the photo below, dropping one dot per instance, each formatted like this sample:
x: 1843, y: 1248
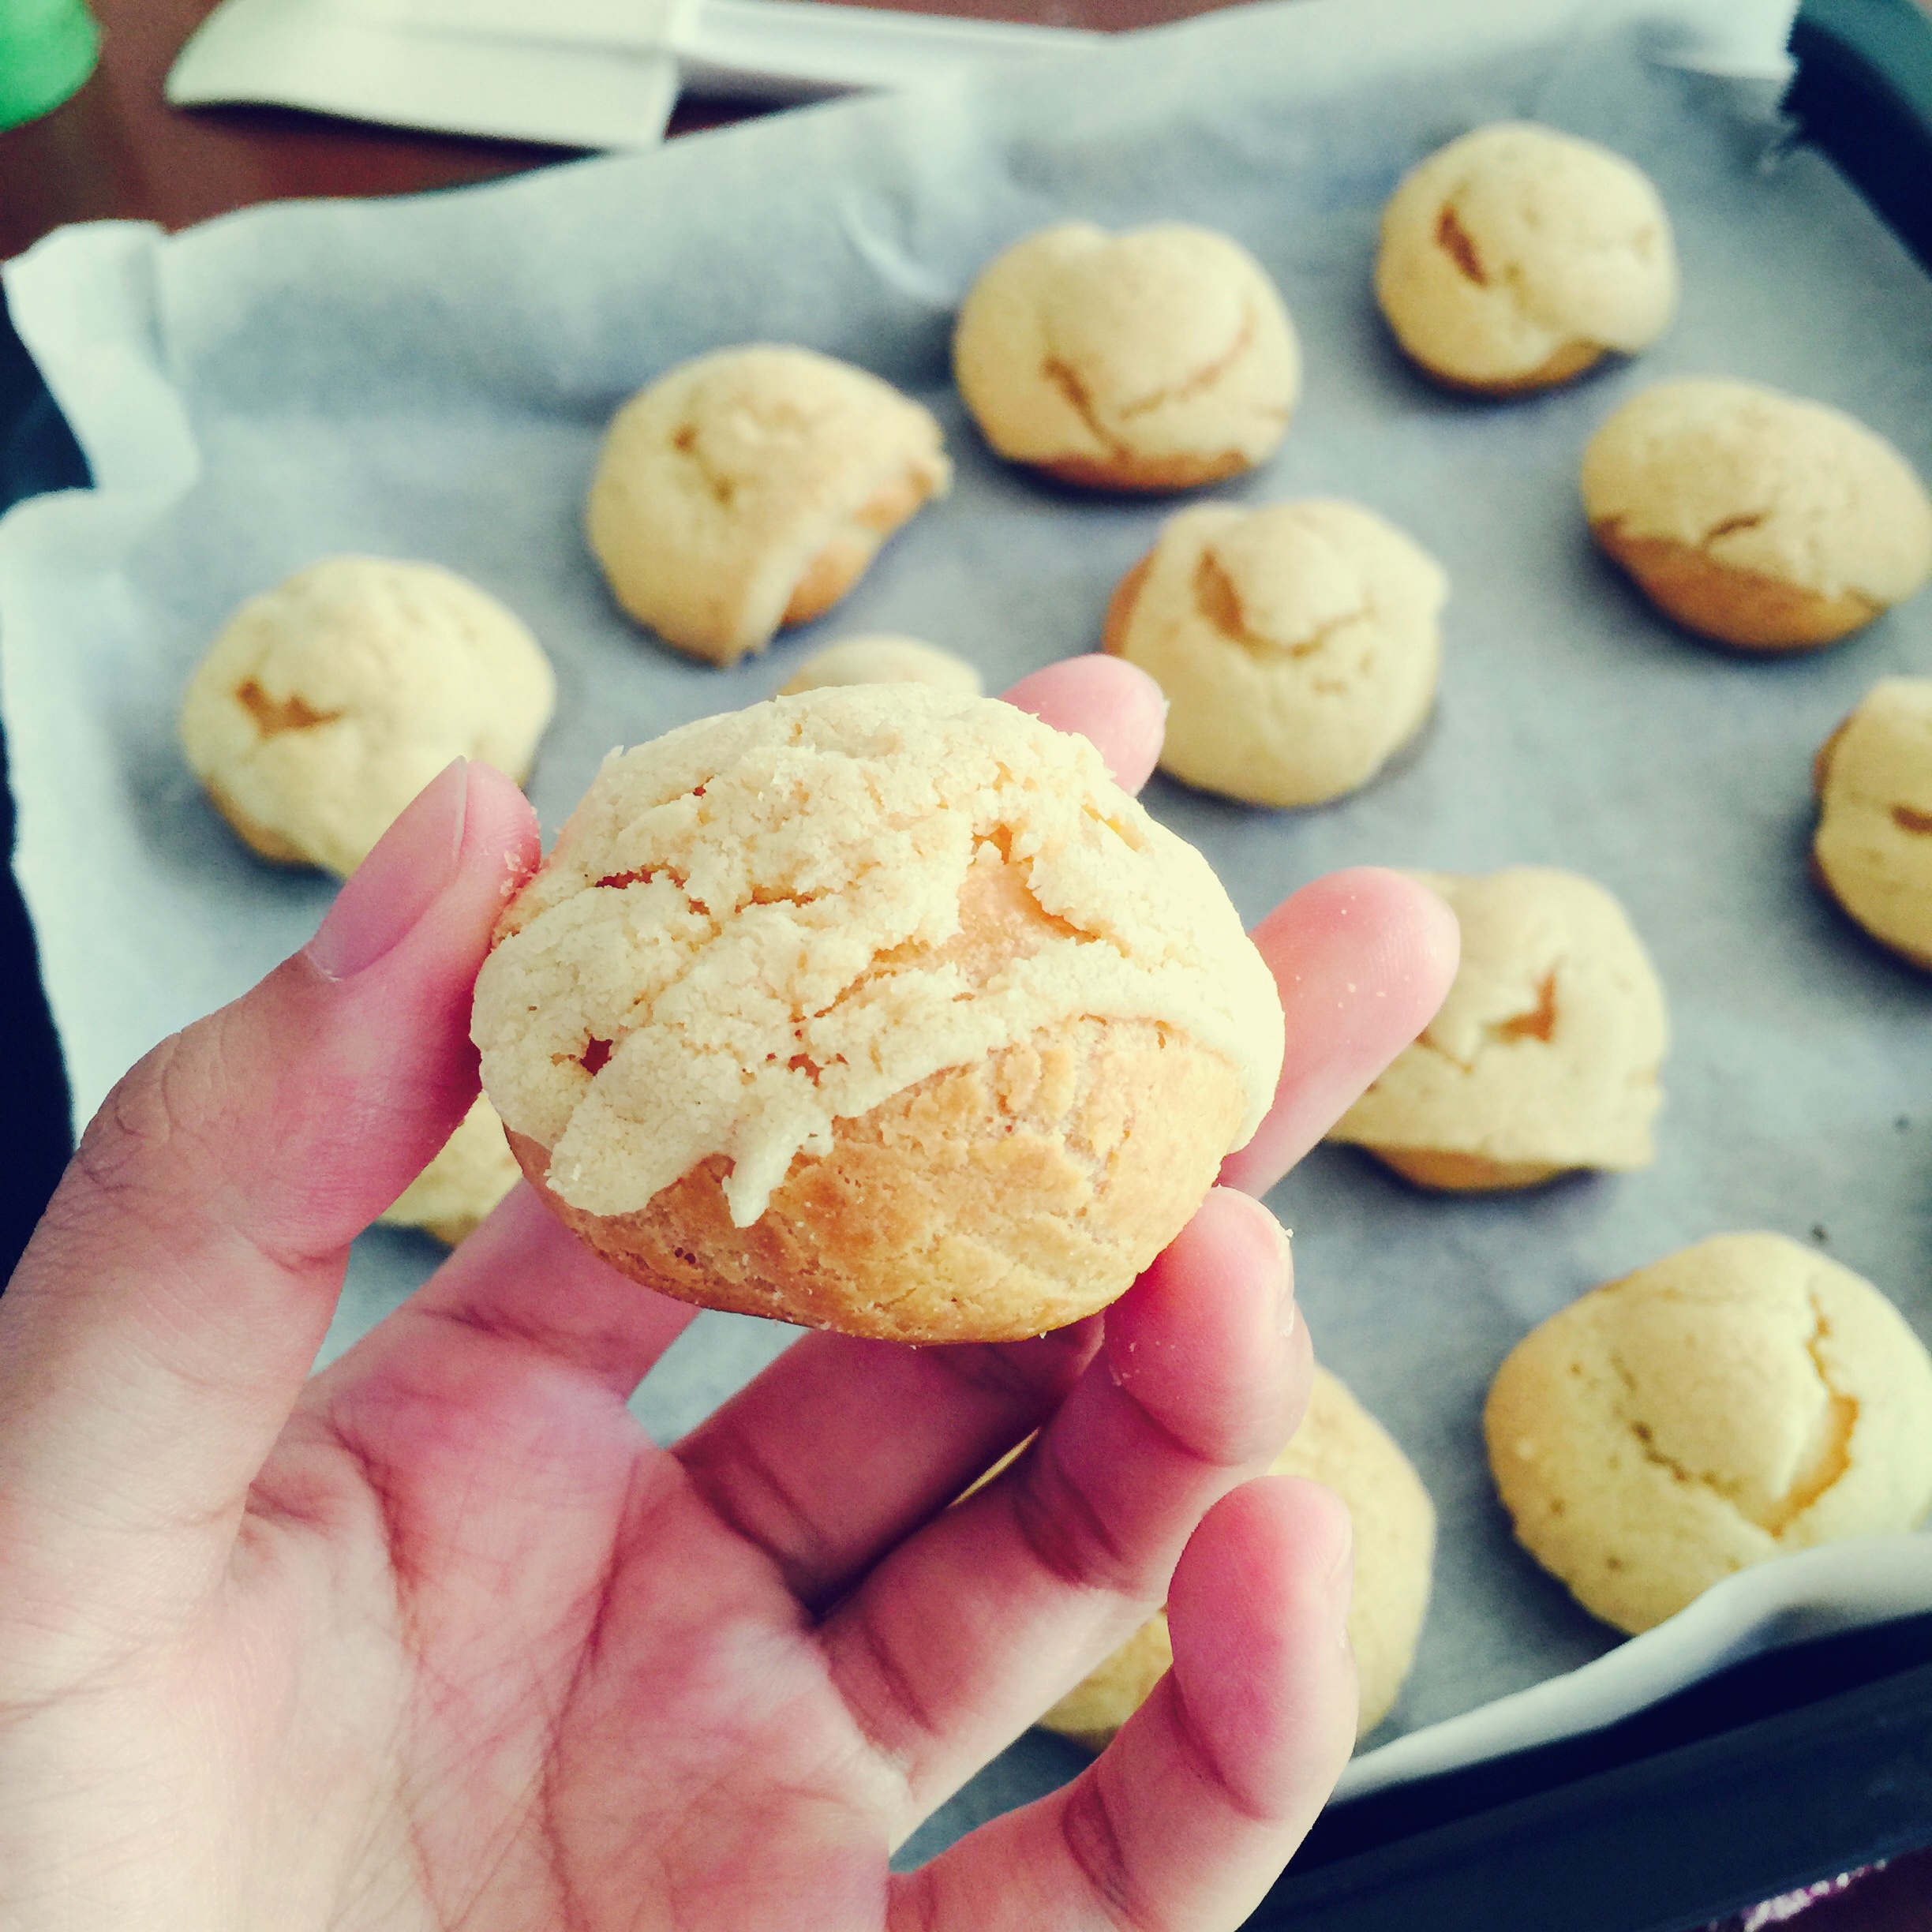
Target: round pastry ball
x: 1341, y: 1444
x: 1296, y: 644
x: 1873, y: 842
x: 329, y: 702
x: 883, y: 660
x: 1516, y: 257
x: 473, y: 1171
x: 750, y: 488
x: 881, y: 1008
x: 1543, y: 1059
x: 1154, y: 360
x: 1739, y: 1399
x: 1754, y: 518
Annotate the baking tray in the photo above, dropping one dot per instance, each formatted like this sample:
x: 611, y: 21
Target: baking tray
x: 1714, y: 1784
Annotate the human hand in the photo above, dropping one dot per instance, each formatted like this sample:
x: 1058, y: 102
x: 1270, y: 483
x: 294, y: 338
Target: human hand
x: 439, y: 1638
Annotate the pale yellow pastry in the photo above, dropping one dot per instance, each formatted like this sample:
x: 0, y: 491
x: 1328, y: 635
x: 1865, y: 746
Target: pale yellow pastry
x: 1754, y: 518
x: 1874, y: 842
x: 880, y: 1008
x: 472, y: 1172
x: 750, y: 488
x: 886, y: 659
x: 1296, y: 644
x: 1544, y: 1056
x: 1341, y: 1444
x: 1737, y: 1400
x: 1517, y: 257
x: 329, y: 702
x: 1154, y: 360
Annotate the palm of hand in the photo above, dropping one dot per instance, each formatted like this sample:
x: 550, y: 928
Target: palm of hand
x: 484, y: 1656
x: 442, y: 1639
x: 586, y: 1701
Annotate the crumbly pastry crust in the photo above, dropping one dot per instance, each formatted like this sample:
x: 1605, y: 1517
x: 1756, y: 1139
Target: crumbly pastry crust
x: 329, y: 702
x: 1739, y: 1399
x: 1544, y: 1056
x: 1755, y: 518
x: 881, y: 1007
x: 473, y: 1170
x: 1448, y: 1171
x: 984, y: 1202
x: 1297, y: 645
x: 1154, y: 360
x: 1341, y: 1444
x: 750, y: 488
x: 1873, y: 848
x: 1516, y: 257
x: 885, y: 659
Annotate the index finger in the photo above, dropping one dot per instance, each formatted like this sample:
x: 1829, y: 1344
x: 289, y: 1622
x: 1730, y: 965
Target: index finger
x: 1114, y: 704
x: 1362, y: 959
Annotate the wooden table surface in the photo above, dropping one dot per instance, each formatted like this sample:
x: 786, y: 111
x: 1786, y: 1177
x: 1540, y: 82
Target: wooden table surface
x: 116, y: 149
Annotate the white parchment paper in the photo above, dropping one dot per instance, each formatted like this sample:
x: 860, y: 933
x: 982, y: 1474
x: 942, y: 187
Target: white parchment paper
x: 429, y: 378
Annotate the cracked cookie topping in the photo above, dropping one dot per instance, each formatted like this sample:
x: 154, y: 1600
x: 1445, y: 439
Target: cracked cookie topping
x: 329, y: 702
x: 1154, y: 360
x: 750, y: 488
x: 1516, y: 257
x: 1544, y: 1056
x: 1296, y: 644
x: 791, y: 974
x: 1739, y: 1399
x: 1755, y: 518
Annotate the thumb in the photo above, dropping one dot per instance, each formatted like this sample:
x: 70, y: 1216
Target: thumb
x: 159, y: 1326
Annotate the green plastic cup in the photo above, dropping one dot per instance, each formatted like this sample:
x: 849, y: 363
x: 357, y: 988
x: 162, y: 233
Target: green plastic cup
x: 47, y: 48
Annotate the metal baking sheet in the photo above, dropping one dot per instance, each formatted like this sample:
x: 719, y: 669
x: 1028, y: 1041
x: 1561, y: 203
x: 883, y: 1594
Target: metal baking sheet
x: 429, y: 378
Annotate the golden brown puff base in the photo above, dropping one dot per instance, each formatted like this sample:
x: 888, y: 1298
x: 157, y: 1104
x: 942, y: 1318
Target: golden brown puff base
x: 1911, y: 955
x: 1563, y: 364
x: 259, y: 839
x: 985, y: 1203
x: 1746, y: 608
x: 271, y: 845
x: 1450, y: 1172
x: 837, y: 567
x: 1121, y: 470
x: 844, y: 560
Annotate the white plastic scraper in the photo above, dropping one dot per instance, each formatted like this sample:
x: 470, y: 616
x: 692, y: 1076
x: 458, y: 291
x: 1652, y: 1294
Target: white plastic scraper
x: 586, y: 74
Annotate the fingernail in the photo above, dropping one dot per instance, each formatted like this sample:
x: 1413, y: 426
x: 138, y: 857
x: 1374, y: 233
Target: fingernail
x: 1285, y: 1316
x: 398, y: 881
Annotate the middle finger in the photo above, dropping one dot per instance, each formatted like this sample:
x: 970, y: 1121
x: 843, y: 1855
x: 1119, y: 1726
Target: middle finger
x: 962, y: 1636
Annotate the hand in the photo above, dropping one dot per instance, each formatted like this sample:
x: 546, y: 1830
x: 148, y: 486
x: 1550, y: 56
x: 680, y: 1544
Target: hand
x: 439, y: 1638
